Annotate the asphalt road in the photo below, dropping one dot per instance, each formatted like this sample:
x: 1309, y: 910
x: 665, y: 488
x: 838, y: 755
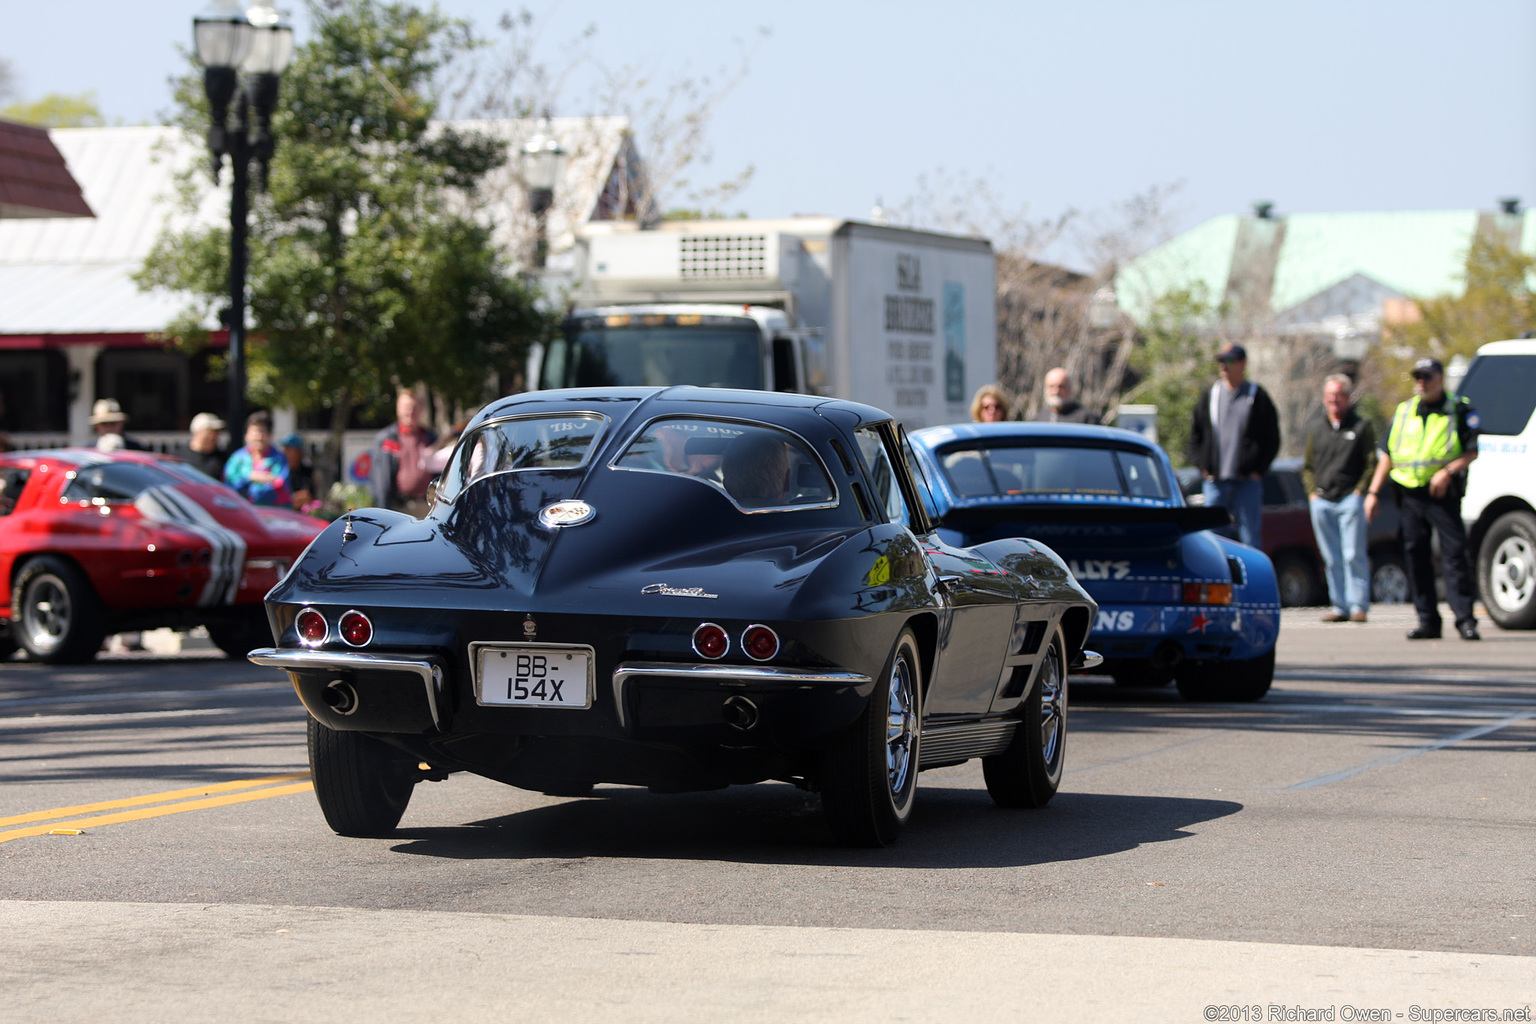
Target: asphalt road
x: 1363, y: 837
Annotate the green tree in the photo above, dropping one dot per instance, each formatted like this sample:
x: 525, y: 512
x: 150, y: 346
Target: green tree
x: 57, y: 110
x: 367, y: 266
x: 1497, y: 303
x: 1173, y: 356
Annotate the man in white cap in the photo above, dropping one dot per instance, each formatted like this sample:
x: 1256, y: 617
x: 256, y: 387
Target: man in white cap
x: 204, y: 450
x: 108, y: 419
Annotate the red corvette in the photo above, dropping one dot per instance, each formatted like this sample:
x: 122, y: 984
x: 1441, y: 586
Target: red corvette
x: 93, y: 543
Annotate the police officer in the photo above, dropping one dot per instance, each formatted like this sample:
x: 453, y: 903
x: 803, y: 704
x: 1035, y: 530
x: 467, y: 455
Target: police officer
x: 1432, y: 441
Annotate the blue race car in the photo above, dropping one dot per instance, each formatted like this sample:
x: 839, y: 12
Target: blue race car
x: 1177, y: 601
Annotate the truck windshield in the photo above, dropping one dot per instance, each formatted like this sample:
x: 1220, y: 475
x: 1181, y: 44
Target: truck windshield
x: 708, y: 354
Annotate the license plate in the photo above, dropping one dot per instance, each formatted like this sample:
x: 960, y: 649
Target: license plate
x: 534, y: 675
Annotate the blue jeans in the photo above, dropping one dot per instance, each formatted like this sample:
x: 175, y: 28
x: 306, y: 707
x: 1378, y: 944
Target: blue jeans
x: 1340, y: 528
x: 1245, y: 500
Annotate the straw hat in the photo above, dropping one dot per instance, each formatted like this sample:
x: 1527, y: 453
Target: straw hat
x: 106, y: 410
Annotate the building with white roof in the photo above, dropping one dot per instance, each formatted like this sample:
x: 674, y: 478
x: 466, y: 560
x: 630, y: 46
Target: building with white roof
x: 74, y: 326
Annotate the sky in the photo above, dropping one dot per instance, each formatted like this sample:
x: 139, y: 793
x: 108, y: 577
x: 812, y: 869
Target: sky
x: 1048, y: 107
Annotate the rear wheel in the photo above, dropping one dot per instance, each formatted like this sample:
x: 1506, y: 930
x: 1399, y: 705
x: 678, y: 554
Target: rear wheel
x: 1506, y: 570
x: 1389, y: 579
x: 1028, y: 773
x: 1298, y: 580
x: 238, y: 637
x: 363, y: 785
x: 869, y: 776
x: 1249, y: 679
x: 58, y: 618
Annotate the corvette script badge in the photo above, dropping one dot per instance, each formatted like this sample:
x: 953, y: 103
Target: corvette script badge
x: 666, y: 591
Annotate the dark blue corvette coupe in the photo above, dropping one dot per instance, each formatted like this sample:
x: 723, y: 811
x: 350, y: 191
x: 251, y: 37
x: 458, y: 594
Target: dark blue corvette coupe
x: 679, y: 588
x: 1177, y: 601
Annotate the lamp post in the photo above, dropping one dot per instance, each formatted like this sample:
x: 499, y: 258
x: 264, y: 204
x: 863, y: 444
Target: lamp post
x: 539, y: 168
x: 258, y: 42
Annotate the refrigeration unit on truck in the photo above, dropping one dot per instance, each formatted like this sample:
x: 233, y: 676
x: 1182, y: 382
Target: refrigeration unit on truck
x: 900, y: 319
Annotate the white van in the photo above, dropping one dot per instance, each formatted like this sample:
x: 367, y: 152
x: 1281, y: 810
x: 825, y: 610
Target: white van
x: 1500, y: 503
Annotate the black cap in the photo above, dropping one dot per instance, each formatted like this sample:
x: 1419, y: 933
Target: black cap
x: 1231, y: 354
x: 1428, y: 365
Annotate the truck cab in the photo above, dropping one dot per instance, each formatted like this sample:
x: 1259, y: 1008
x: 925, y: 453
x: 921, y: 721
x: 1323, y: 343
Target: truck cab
x: 707, y: 344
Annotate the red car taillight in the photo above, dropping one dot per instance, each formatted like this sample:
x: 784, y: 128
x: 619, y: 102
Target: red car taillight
x: 356, y: 629
x: 710, y: 641
x: 312, y: 627
x: 760, y: 643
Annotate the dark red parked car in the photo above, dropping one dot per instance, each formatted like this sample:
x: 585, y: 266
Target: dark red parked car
x: 93, y: 543
x: 1292, y: 546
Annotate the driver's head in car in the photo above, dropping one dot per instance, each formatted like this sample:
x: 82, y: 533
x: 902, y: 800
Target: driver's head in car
x: 756, y: 470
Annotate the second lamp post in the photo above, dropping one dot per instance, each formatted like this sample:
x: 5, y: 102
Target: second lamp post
x: 258, y: 42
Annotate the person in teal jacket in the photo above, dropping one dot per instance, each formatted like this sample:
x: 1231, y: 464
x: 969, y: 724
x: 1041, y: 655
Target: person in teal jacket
x: 259, y: 471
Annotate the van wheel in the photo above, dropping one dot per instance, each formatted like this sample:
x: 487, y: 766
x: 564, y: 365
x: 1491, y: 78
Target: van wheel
x: 869, y: 777
x: 1506, y: 570
x: 58, y: 618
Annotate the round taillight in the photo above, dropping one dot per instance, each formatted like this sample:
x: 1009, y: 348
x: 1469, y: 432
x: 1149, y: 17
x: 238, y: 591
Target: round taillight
x: 355, y: 628
x: 760, y: 643
x: 312, y: 627
x: 710, y: 641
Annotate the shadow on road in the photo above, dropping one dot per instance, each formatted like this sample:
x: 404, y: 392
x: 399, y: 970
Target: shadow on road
x: 951, y: 828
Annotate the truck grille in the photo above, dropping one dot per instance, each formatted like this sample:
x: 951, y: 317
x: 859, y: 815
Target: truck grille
x: 716, y: 256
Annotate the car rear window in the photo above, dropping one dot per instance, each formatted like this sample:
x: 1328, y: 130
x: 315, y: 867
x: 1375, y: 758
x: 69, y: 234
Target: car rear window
x: 114, y: 482
x: 1002, y: 471
x: 1503, y: 391
x: 521, y: 443
x: 760, y: 468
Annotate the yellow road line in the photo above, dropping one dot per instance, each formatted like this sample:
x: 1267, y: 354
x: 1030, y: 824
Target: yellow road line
x: 153, y: 798
x: 156, y: 812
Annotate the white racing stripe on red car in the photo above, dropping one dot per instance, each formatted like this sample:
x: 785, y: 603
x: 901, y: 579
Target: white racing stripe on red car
x: 169, y: 505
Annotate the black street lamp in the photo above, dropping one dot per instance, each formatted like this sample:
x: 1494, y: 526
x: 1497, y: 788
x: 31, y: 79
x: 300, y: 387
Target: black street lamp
x: 258, y: 41
x: 539, y: 167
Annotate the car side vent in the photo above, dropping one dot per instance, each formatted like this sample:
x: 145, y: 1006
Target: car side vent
x: 1236, y: 568
x: 1032, y: 634
x: 842, y: 456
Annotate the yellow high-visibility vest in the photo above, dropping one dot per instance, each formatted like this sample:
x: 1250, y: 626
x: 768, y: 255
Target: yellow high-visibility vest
x: 1421, y: 446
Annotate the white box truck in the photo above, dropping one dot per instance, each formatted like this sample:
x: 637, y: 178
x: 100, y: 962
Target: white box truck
x: 899, y: 319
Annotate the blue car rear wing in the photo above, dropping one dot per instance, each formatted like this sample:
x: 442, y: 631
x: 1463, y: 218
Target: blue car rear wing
x: 1185, y: 518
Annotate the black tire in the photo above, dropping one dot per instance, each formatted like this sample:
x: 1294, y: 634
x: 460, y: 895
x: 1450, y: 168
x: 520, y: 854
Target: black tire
x: 1506, y: 570
x: 1299, y: 581
x: 869, y: 773
x: 1028, y: 773
x: 1389, y: 578
x: 239, y: 637
x: 57, y: 617
x: 363, y: 785
x: 1227, y: 680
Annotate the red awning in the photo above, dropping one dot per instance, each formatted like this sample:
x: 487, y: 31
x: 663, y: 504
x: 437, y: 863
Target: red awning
x: 34, y: 180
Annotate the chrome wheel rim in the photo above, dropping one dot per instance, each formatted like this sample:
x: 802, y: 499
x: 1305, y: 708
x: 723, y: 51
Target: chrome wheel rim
x: 47, y: 612
x: 1053, y: 708
x: 900, y: 726
x: 1513, y: 573
x: 1389, y: 584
